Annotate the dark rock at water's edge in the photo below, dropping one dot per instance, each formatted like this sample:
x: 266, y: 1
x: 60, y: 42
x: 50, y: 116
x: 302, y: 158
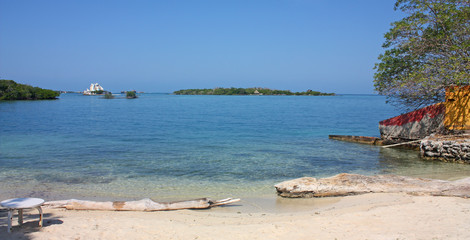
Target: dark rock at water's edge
x: 352, y: 184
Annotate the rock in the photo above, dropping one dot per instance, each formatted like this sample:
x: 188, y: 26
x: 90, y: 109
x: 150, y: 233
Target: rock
x: 447, y: 156
x: 432, y: 154
x: 453, y: 152
x: 436, y: 145
x: 352, y: 184
x: 446, y: 148
x: 427, y: 148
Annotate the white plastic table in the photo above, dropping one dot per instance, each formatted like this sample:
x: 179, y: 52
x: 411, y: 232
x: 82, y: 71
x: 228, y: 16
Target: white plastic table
x: 20, y: 204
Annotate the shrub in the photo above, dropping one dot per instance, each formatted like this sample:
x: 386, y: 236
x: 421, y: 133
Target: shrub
x: 10, y: 90
x: 108, y: 95
x: 131, y: 94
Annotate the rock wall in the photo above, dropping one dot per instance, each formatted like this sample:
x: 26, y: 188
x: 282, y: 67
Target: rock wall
x: 414, y: 125
x: 446, y: 148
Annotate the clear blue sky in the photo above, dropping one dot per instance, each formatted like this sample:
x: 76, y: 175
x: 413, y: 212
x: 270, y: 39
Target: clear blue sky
x: 163, y: 46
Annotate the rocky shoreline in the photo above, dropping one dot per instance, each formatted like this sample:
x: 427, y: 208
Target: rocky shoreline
x: 345, y: 184
x: 448, y: 148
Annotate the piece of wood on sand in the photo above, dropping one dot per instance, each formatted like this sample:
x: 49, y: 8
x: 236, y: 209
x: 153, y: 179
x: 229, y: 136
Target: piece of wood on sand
x: 140, y: 205
x: 351, y: 184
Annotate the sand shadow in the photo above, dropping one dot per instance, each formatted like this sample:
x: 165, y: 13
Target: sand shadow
x: 30, y: 224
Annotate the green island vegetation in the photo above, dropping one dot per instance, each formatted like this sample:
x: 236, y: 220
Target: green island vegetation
x: 131, y: 94
x: 425, y: 52
x: 247, y: 91
x: 108, y: 95
x: 10, y: 90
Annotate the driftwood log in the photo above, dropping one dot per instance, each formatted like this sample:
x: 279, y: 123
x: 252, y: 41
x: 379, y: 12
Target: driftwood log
x: 351, y: 184
x: 140, y: 205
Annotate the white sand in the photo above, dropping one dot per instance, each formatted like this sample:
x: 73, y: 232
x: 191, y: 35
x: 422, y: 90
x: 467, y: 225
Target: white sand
x: 370, y: 216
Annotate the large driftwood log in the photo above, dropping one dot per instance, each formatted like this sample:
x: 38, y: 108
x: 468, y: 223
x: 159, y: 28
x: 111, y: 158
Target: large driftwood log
x: 141, y: 205
x: 351, y: 184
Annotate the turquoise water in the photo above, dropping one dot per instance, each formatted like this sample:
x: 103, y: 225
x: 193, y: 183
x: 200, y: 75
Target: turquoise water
x: 171, y: 147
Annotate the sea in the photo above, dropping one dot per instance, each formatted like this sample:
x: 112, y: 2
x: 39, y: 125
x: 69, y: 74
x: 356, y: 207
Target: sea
x: 169, y: 147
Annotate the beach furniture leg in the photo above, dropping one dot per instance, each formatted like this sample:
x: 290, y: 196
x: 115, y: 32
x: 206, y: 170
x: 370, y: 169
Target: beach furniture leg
x: 20, y: 216
x: 10, y: 218
x: 40, y: 216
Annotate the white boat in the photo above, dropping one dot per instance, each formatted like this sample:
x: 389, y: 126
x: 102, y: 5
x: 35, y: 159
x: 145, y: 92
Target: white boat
x: 94, y: 89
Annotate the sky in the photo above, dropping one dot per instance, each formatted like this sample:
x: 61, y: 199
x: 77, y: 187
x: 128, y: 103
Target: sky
x: 164, y: 46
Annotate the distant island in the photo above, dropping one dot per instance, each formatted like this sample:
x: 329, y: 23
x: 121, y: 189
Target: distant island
x: 248, y: 91
x: 10, y: 90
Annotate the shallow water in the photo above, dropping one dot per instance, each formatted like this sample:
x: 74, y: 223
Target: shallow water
x: 171, y: 147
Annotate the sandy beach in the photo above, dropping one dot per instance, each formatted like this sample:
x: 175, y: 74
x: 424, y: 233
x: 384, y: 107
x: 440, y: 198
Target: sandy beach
x: 369, y: 216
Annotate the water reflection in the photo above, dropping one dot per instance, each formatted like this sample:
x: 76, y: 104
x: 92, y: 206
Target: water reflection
x: 409, y: 163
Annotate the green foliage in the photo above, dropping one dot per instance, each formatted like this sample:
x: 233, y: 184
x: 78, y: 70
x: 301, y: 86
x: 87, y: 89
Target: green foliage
x: 246, y: 91
x: 108, y: 95
x: 10, y: 90
x: 131, y: 94
x: 426, y: 52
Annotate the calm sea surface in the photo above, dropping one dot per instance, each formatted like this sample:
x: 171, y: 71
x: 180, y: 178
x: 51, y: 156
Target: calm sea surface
x: 170, y: 147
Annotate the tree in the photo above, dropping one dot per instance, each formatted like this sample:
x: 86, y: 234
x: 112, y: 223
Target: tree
x: 10, y: 90
x: 108, y: 95
x: 131, y: 94
x: 426, y: 52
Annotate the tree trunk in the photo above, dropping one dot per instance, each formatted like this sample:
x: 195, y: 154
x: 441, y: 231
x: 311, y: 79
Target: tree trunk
x: 140, y: 205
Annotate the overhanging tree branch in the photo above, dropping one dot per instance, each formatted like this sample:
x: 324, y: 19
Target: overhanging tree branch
x: 425, y: 52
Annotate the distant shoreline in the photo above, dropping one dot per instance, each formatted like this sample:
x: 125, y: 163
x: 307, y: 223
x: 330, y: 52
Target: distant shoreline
x: 249, y: 91
x: 11, y: 90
